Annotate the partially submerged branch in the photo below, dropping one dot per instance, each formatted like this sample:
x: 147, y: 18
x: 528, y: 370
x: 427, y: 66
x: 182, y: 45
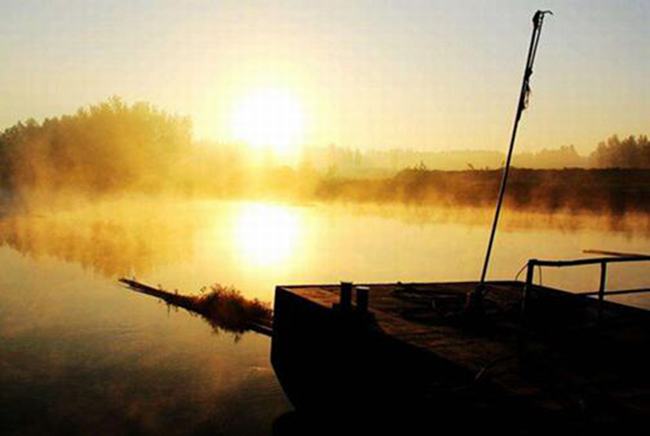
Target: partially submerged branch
x: 225, y: 308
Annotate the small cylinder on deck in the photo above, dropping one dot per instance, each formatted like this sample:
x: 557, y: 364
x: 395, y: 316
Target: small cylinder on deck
x: 363, y: 293
x: 345, y: 302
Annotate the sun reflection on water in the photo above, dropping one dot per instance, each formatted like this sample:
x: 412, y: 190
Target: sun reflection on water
x: 265, y: 234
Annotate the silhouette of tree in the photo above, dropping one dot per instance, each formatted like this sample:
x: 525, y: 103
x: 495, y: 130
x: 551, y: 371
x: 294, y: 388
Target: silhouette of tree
x: 632, y: 152
x: 103, y: 147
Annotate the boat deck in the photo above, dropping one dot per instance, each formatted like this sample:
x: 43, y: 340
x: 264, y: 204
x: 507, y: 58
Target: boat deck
x: 566, y: 353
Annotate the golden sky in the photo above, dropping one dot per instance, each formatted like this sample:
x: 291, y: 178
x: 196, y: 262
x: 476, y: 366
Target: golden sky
x: 369, y: 74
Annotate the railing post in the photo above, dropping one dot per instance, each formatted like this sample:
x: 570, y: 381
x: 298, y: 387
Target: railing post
x: 601, y: 288
x: 530, y: 273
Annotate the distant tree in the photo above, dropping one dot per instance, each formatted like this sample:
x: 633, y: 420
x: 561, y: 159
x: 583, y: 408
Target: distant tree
x: 632, y: 152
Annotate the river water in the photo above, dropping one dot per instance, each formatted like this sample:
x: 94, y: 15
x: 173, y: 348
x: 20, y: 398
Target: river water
x: 81, y: 354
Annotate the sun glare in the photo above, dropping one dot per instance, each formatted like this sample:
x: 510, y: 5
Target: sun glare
x: 269, y: 119
x: 266, y: 234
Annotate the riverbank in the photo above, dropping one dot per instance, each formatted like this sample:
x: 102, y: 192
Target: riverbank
x: 570, y: 190
x: 597, y: 190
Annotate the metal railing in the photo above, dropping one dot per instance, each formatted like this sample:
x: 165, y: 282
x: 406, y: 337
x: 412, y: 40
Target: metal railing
x: 602, y: 291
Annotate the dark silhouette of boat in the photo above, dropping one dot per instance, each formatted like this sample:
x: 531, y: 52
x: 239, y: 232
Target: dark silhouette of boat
x: 537, y: 360
x: 512, y: 357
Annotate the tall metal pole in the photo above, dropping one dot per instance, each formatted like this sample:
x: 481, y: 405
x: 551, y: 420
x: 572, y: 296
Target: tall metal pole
x: 538, y: 19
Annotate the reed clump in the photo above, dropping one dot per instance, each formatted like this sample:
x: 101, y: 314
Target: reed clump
x: 230, y: 310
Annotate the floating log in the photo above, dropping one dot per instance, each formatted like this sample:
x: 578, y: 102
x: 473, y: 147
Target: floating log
x: 614, y: 253
x: 230, y: 312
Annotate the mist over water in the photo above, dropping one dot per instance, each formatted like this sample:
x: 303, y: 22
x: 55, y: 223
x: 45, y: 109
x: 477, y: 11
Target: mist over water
x: 229, y: 241
x: 118, y: 190
x: 302, y: 143
x: 82, y: 353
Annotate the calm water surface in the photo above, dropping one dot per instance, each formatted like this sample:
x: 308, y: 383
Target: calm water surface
x: 80, y: 354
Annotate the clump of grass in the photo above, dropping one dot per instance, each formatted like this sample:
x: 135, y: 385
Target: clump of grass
x: 227, y: 308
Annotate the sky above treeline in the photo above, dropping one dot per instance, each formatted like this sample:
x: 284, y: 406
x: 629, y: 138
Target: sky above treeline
x: 424, y: 74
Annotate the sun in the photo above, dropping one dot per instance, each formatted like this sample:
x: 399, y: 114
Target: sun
x: 269, y: 119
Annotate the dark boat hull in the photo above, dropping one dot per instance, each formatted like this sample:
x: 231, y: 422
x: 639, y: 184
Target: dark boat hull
x: 344, y: 365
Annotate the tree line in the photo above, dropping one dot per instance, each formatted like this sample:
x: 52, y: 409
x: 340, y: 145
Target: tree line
x: 113, y: 147
x: 104, y: 147
x: 631, y: 152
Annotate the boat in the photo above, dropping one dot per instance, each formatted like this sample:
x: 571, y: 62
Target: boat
x: 514, y: 357
x: 539, y: 359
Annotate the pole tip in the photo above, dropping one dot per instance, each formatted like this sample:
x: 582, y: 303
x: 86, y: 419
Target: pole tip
x: 539, y: 16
